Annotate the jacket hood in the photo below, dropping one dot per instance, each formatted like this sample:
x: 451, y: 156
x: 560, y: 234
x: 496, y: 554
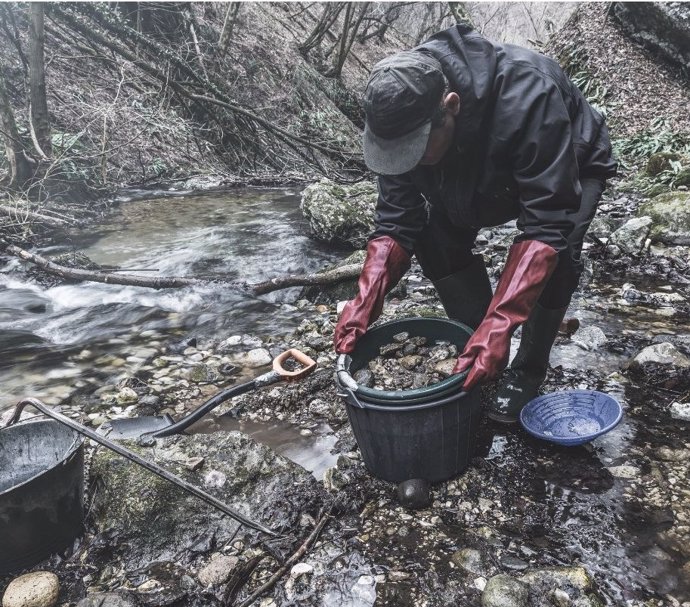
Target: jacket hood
x: 469, y: 62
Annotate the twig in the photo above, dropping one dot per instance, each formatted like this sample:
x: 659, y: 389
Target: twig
x: 18, y: 212
x: 294, y: 558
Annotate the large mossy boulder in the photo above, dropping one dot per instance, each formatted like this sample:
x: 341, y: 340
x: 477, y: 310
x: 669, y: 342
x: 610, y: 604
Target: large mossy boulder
x: 670, y: 213
x: 338, y: 214
x: 664, y: 27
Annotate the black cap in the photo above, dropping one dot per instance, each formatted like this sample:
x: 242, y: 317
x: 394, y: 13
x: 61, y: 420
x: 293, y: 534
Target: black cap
x: 402, y: 95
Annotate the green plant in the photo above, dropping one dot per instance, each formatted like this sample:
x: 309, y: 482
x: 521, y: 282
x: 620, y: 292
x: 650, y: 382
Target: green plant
x: 658, y: 138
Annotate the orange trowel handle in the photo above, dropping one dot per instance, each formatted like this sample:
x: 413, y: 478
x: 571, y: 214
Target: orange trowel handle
x: 308, y: 365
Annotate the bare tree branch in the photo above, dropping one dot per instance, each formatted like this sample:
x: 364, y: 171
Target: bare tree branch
x: 327, y: 277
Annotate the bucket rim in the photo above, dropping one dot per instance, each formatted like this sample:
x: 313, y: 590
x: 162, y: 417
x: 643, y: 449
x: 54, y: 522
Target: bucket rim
x: 343, y: 362
x: 350, y: 396
x: 77, y: 444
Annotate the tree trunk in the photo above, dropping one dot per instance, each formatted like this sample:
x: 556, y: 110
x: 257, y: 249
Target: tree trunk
x: 460, y: 13
x: 228, y: 27
x: 37, y: 82
x: 20, y: 168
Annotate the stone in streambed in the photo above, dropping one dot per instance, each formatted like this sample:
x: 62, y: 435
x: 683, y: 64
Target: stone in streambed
x: 505, y: 591
x: 218, y: 570
x: 414, y: 493
x: 107, y: 599
x: 36, y: 589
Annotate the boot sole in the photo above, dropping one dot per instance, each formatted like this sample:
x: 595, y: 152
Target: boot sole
x: 500, y: 418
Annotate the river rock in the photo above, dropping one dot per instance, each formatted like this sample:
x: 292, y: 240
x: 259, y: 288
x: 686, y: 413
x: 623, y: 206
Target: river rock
x: 258, y: 357
x: 36, y: 589
x: 414, y: 493
x: 301, y: 569
x: 126, y: 396
x: 589, y: 338
x: 470, y: 560
x: 218, y: 570
x: 148, y: 519
x: 664, y: 353
x: 631, y: 236
x: 670, y: 213
x: 505, y: 591
x: 340, y: 215
x: 108, y: 599
x: 575, y: 578
x: 680, y: 411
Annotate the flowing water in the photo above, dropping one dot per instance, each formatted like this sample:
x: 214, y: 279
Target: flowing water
x: 248, y: 235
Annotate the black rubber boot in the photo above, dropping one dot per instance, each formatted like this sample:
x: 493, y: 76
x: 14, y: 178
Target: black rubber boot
x: 520, y: 383
x: 466, y: 294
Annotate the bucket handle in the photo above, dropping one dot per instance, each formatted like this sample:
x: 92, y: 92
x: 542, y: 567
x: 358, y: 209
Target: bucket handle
x: 351, y: 399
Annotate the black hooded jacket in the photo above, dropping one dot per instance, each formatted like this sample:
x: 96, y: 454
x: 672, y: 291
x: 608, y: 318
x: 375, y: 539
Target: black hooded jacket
x: 524, y: 138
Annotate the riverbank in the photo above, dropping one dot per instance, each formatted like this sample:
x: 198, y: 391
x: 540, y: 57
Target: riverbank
x: 601, y: 524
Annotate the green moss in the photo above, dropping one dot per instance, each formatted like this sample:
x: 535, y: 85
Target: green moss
x: 660, y: 161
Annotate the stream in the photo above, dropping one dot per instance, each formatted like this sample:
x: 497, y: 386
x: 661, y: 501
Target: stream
x: 248, y: 235
x: 553, y: 506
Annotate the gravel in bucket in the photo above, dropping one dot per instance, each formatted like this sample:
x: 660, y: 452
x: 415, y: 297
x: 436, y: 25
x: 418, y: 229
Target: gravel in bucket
x: 408, y: 363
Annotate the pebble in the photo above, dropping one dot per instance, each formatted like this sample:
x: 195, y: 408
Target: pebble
x: 36, y: 589
x: 301, y: 569
x: 106, y: 599
x: 414, y: 493
x: 218, y: 570
x: 624, y: 471
x: 680, y: 411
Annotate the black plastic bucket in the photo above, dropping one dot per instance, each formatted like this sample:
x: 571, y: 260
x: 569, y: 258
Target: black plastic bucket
x: 424, y: 433
x: 41, y: 492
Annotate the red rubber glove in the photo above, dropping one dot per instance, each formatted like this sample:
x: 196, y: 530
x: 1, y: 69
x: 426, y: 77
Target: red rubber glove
x: 529, y: 265
x: 384, y: 266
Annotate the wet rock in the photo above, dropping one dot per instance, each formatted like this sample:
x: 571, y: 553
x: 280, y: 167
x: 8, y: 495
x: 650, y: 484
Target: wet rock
x: 631, y: 236
x: 624, y: 471
x: 565, y: 578
x: 201, y: 374
x: 301, y: 569
x: 470, y: 560
x: 36, y: 589
x: 664, y: 353
x: 505, y: 591
x: 680, y: 411
x: 513, y: 563
x: 339, y: 214
x: 589, y: 338
x: 334, y: 479
x: 601, y: 227
x: 150, y: 400
x: 126, y: 396
x: 257, y: 357
x: 148, y: 519
x: 670, y: 213
x: 667, y: 454
x: 414, y: 493
x: 108, y: 599
x: 364, y: 377
x: 239, y: 341
x: 218, y: 570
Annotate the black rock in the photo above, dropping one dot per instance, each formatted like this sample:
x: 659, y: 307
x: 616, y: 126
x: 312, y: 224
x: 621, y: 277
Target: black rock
x: 414, y: 493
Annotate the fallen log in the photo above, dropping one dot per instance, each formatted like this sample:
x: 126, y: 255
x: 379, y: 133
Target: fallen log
x: 328, y: 277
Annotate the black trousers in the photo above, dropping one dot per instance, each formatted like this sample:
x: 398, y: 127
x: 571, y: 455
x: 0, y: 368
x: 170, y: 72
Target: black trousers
x: 444, y: 249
